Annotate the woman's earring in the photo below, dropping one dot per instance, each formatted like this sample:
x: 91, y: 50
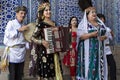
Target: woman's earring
x: 43, y: 17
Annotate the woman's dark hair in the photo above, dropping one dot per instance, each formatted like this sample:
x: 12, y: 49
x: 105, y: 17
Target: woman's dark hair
x: 69, y: 25
x: 101, y: 16
x: 21, y: 8
x: 84, y: 4
x: 40, y: 13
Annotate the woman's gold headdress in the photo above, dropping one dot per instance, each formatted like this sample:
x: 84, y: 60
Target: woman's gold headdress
x: 43, y: 6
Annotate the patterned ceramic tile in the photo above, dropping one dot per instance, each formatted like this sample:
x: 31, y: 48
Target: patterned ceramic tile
x: 6, y: 13
x: 110, y: 8
x: 66, y: 9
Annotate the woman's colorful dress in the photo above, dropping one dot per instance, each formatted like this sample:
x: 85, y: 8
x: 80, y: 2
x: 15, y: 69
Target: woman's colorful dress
x: 91, y: 66
x: 71, y: 55
x: 46, y: 64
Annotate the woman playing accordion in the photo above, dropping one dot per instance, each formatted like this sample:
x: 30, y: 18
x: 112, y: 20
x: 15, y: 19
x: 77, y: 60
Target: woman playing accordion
x: 47, y: 65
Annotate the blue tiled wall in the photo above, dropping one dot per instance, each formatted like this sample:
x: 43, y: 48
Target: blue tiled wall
x: 6, y: 13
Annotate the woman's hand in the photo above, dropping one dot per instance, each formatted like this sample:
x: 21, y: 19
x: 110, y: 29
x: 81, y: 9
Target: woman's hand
x: 89, y: 35
x: 55, y: 29
x: 45, y: 44
x: 94, y: 34
x: 101, y: 38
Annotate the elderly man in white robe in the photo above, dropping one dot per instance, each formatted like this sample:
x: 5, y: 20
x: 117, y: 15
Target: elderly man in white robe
x: 15, y: 43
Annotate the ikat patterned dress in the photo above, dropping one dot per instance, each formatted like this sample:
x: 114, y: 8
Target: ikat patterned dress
x: 96, y: 57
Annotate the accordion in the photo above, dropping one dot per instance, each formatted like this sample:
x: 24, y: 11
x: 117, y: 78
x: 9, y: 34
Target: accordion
x: 58, y: 40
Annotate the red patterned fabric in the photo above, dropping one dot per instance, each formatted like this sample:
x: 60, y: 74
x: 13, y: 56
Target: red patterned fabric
x: 74, y: 34
x: 70, y: 57
x: 66, y: 59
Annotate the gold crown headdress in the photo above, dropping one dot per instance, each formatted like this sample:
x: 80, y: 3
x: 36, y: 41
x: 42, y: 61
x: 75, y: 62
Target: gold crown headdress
x: 43, y: 6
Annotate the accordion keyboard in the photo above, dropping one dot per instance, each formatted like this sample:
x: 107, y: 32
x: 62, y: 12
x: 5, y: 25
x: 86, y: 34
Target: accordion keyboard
x: 49, y: 38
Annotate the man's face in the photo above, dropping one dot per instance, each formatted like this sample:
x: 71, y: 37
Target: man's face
x: 20, y: 15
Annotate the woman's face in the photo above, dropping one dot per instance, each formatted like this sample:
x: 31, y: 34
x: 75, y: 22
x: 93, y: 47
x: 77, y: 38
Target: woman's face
x: 92, y: 15
x: 47, y: 12
x: 74, y: 22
